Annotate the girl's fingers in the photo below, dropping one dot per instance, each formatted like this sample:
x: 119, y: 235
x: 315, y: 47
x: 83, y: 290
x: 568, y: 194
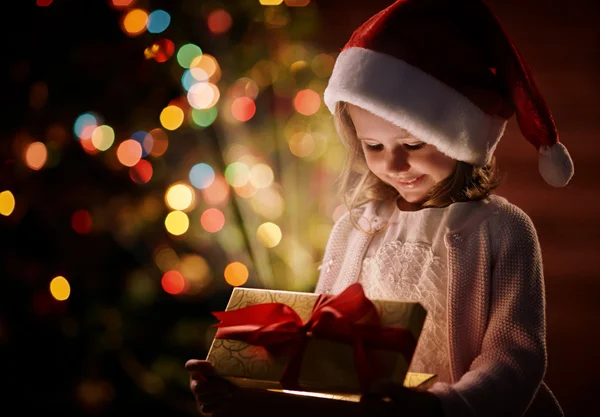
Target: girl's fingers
x: 203, y: 367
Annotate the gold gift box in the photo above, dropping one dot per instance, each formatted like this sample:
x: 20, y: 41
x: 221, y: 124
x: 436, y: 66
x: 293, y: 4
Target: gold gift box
x: 328, y: 368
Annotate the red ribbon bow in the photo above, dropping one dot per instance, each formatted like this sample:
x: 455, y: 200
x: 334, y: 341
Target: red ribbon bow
x: 349, y: 318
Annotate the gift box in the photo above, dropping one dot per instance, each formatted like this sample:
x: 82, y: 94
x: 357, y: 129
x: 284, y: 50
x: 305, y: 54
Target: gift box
x: 335, y: 346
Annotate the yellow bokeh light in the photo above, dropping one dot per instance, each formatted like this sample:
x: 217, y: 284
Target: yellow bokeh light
x: 177, y: 223
x: 7, y: 203
x: 135, y: 21
x: 205, y: 68
x: 171, y: 117
x: 269, y: 234
x: 301, y: 144
x: 236, y: 274
x: 196, y: 271
x: 261, y: 176
x: 103, y: 137
x: 129, y: 152
x: 166, y: 258
x: 60, y: 288
x: 179, y: 196
x: 36, y: 155
x: 271, y: 2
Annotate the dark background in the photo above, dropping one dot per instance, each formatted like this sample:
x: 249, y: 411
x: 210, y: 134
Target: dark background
x: 41, y: 369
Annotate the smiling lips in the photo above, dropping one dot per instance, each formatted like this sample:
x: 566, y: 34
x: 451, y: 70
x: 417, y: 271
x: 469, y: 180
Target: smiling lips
x: 409, y: 184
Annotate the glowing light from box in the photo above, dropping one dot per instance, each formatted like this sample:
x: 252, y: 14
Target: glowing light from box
x: 202, y: 175
x: 205, y: 117
x: 269, y: 234
x: 60, y: 288
x: 177, y: 223
x: 307, y: 102
x: 236, y: 174
x: 129, y: 152
x: 236, y: 274
x: 187, y: 53
x: 203, y: 95
x: 158, y: 21
x: 179, y: 196
x: 156, y: 142
x: 81, y: 221
x: 103, y: 137
x: 36, y: 155
x: 134, y: 22
x: 173, y: 282
x: 7, y: 203
x: 243, y: 109
x: 141, y: 172
x: 219, y: 21
x: 217, y: 194
x: 212, y: 220
x: 261, y: 175
x: 171, y: 117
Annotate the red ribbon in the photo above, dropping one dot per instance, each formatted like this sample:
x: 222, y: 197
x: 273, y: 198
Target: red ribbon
x: 349, y: 318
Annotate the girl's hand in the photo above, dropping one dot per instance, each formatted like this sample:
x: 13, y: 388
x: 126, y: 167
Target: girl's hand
x: 396, y: 400
x: 212, y: 392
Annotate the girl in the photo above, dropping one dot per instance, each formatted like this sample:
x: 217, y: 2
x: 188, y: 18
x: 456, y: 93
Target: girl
x: 421, y: 95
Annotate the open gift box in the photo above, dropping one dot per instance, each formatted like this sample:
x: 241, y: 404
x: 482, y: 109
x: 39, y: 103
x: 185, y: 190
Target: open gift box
x: 323, y: 346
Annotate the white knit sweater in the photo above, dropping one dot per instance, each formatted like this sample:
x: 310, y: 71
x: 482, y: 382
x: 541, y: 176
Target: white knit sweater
x: 495, y: 305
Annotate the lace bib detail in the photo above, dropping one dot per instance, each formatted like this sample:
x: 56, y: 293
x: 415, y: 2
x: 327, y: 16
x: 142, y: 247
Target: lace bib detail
x: 411, y: 271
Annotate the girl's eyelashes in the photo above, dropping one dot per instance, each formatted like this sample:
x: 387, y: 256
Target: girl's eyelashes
x: 408, y: 147
x: 415, y: 146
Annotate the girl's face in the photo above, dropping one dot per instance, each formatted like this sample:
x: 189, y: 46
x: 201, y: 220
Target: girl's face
x: 399, y: 159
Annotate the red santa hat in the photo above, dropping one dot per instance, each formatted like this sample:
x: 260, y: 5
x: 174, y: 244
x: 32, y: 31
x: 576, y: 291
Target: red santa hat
x: 446, y: 71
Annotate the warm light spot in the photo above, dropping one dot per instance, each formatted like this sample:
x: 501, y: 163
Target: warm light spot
x: 271, y: 2
x: 179, y: 196
x: 236, y: 274
x: 246, y: 191
x: 187, y: 53
x: 171, y: 117
x: 121, y: 4
x: 173, y: 282
x: 243, y: 109
x: 36, y: 155
x: 141, y: 172
x: 196, y: 271
x: 322, y: 65
x: 218, y: 192
x: 38, y: 95
x: 269, y: 234
x: 244, y: 87
x: 203, y: 95
x: 161, y: 50
x: 156, y: 142
x: 87, y: 145
x: 202, y: 175
x: 261, y: 176
x: 60, y: 288
x: 95, y: 393
x: 212, y: 220
x: 158, y: 21
x: 307, y: 102
x: 301, y: 144
x: 166, y: 258
x: 236, y: 174
x: 7, y: 203
x: 81, y: 221
x: 297, y: 3
x: 129, y: 152
x: 205, y: 68
x: 177, y: 223
x: 219, y: 21
x: 268, y: 203
x: 103, y: 137
x: 134, y: 22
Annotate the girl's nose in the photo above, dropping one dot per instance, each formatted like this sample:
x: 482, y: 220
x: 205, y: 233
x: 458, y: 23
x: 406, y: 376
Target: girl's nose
x: 397, y: 160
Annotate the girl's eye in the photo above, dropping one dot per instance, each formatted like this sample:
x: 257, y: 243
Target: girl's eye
x: 415, y: 146
x: 376, y: 147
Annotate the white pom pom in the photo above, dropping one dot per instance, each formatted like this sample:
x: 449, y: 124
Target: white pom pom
x: 555, y: 165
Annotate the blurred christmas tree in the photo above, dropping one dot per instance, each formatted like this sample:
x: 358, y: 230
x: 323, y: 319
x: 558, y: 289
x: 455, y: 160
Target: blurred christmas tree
x: 194, y: 136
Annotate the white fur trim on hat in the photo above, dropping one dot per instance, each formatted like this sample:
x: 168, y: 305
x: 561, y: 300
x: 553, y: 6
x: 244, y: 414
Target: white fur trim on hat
x: 414, y: 100
x: 555, y: 164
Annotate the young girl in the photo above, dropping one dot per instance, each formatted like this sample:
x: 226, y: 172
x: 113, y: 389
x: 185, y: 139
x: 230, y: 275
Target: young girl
x: 421, y: 95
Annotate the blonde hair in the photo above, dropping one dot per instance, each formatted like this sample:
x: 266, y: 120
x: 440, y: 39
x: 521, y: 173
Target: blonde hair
x: 357, y: 184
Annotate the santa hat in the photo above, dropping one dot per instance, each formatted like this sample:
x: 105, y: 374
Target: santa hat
x: 446, y: 71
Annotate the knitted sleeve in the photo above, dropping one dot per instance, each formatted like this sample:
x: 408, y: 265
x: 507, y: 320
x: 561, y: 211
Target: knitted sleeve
x: 504, y: 377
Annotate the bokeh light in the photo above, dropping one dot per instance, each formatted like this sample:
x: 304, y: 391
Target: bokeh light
x: 81, y: 221
x: 203, y: 95
x: 307, y: 102
x: 261, y: 175
x: 322, y: 65
x: 103, y: 137
x: 202, y: 175
x: 36, y: 155
x: 43, y: 3
x: 205, y: 117
x: 217, y: 194
x: 60, y: 288
x: 179, y: 196
x: 158, y: 21
x: 129, y: 152
x: 141, y: 172
x: 205, y: 68
x: 271, y: 2
x: 244, y: 87
x: 7, y: 203
x: 156, y: 142
x: 269, y: 234
x: 121, y: 4
x: 297, y: 3
x: 236, y: 274
x: 134, y: 22
x: 161, y: 50
x: 171, y: 117
x: 85, y: 124
x: 236, y: 174
x: 187, y: 53
x: 243, y: 109
x: 219, y: 21
x: 196, y: 271
x: 177, y: 223
x: 173, y: 282
x: 212, y: 220
x: 301, y: 144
